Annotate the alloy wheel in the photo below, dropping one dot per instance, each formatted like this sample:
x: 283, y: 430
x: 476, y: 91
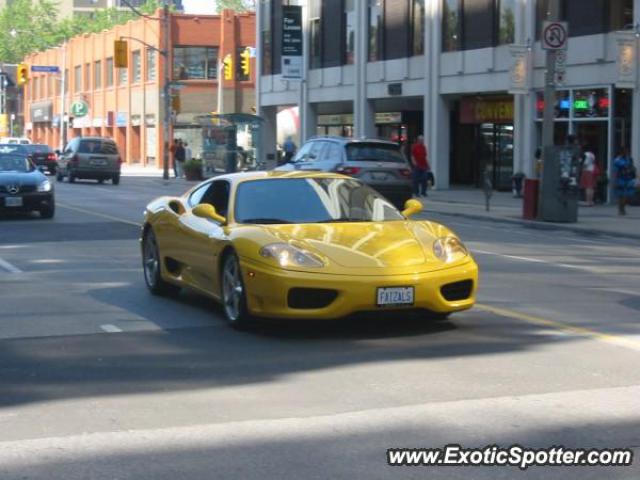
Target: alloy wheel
x: 232, y: 290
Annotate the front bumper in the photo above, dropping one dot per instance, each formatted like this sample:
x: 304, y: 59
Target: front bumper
x: 30, y: 201
x: 268, y: 288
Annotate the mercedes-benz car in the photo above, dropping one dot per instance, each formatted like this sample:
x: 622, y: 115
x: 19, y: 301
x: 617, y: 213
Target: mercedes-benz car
x: 303, y: 245
x: 23, y: 187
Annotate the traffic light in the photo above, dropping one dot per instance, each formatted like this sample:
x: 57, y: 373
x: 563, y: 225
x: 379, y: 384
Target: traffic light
x: 120, y: 50
x: 22, y: 74
x: 228, y: 67
x: 245, y: 65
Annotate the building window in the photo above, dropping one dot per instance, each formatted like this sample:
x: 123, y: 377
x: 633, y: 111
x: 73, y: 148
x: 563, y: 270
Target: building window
x: 451, y: 25
x: 478, y: 24
x: 77, y: 78
x: 136, y: 62
x: 195, y: 63
x: 417, y: 27
x: 109, y: 71
x: 375, y: 30
x: 67, y: 80
x: 589, y: 17
x: 97, y: 75
x: 349, y: 32
x: 123, y: 76
x: 506, y: 22
x: 315, y: 45
x: 151, y: 64
x: 87, y: 77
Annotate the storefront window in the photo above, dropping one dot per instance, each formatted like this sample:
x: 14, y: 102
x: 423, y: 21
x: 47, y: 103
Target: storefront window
x: 195, y: 63
x: 507, y: 22
x: 349, y: 32
x: 375, y: 30
x: 562, y: 107
x: 591, y: 103
x: 417, y: 32
x: 450, y: 25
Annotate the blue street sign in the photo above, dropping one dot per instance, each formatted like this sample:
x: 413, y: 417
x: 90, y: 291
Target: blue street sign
x: 45, y: 68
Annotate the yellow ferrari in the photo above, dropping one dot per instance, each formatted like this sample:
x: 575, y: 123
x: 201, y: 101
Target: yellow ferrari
x: 303, y: 245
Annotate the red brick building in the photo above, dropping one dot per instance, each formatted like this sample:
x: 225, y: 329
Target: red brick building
x: 126, y: 104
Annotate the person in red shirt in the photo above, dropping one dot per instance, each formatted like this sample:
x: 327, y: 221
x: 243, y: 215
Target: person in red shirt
x: 420, y: 167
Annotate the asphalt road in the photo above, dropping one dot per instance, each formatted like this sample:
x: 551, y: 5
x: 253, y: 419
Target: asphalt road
x: 100, y: 380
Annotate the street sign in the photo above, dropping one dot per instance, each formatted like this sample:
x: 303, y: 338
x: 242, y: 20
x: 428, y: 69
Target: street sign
x: 79, y: 108
x: 45, y: 68
x: 292, y: 42
x: 561, y: 67
x: 555, y: 35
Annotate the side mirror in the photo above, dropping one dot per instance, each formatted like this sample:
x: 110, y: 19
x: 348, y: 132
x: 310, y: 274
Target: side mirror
x: 411, y: 207
x: 208, y: 211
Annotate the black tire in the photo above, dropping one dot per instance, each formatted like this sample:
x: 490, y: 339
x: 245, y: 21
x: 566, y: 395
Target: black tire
x: 101, y: 181
x: 53, y: 170
x: 48, y: 212
x: 152, y: 273
x: 59, y: 176
x: 234, y: 301
x: 116, y: 179
x: 72, y: 177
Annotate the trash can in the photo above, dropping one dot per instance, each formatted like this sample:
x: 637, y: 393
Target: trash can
x: 530, y: 202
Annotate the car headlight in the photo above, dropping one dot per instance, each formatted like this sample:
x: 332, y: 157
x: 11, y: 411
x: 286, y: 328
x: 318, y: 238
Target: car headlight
x: 449, y: 249
x: 289, y: 256
x: 45, y: 186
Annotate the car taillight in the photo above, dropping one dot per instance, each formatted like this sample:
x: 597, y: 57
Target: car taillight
x: 405, y: 172
x: 51, y: 157
x: 348, y: 170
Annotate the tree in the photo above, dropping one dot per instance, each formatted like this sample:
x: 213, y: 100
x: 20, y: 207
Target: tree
x: 236, y: 5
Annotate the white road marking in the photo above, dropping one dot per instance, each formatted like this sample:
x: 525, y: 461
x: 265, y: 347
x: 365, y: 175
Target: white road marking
x: 8, y: 267
x: 536, y: 260
x: 107, y: 327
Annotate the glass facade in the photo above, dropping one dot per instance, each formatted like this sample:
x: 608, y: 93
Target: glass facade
x: 375, y: 30
x: 506, y: 21
x: 417, y: 27
x: 349, y: 31
x: 450, y: 25
x: 590, y: 17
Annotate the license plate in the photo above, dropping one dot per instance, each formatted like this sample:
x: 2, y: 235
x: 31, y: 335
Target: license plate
x: 379, y: 176
x: 395, y: 296
x: 13, y: 201
x: 98, y: 163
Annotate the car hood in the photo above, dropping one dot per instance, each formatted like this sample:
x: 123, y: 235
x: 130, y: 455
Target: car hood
x: 17, y: 178
x: 395, y: 246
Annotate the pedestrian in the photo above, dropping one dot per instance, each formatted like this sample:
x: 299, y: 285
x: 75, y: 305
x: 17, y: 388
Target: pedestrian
x: 179, y: 159
x: 588, y: 175
x: 172, y: 153
x: 420, y: 165
x: 289, y: 149
x: 624, y: 179
x: 188, y: 154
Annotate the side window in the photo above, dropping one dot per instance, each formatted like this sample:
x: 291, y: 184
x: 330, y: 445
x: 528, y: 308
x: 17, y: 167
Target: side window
x: 333, y: 153
x: 218, y: 196
x: 303, y: 151
x: 315, y: 154
x: 71, y: 146
x: 196, y: 197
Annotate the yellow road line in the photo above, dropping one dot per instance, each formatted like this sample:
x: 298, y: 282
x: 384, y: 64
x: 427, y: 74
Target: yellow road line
x: 98, y: 214
x: 585, y: 332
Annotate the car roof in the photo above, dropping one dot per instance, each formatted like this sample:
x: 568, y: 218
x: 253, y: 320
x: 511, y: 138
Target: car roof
x: 93, y: 139
x: 236, y: 178
x: 351, y: 140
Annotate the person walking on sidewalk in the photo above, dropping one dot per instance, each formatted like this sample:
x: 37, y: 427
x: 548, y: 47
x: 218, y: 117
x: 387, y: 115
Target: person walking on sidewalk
x: 420, y: 167
x: 179, y: 159
x: 625, y: 179
x: 588, y: 175
x: 172, y: 153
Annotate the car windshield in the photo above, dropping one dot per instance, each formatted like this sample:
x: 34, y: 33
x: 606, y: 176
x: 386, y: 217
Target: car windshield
x: 12, y: 163
x: 15, y: 149
x: 376, y: 152
x: 311, y: 200
x: 98, y: 146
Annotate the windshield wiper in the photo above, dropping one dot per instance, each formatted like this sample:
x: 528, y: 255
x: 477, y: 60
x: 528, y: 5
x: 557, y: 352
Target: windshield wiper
x: 264, y: 220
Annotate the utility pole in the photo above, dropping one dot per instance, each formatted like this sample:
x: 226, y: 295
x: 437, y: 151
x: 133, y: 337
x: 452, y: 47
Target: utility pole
x: 63, y: 99
x: 166, y: 114
x: 220, y: 107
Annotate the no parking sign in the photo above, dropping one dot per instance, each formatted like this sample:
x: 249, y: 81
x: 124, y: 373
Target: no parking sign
x: 555, y: 35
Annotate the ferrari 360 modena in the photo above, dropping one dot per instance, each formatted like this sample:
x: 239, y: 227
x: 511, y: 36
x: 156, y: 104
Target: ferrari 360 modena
x: 303, y: 245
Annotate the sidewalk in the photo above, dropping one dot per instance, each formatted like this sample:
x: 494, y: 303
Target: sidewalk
x: 142, y: 171
x: 470, y: 203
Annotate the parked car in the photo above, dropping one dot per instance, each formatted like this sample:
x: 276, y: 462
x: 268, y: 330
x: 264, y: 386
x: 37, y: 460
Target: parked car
x: 94, y: 158
x: 15, y: 140
x: 42, y: 156
x: 378, y: 163
x: 23, y: 187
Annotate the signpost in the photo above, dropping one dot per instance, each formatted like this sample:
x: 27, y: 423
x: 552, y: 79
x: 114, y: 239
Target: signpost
x: 292, y: 67
x: 79, y: 108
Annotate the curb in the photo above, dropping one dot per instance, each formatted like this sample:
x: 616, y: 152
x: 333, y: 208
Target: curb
x: 541, y: 225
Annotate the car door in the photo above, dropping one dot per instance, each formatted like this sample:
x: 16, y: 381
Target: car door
x: 67, y: 153
x: 204, y: 239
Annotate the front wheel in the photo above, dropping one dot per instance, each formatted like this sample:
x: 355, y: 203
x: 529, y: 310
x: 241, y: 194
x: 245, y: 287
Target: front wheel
x: 72, y: 177
x: 48, y: 212
x: 59, y: 176
x: 115, y: 179
x: 151, y: 266
x: 234, y: 299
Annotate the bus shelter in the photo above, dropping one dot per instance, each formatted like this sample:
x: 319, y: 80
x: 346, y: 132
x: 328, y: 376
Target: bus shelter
x: 230, y: 143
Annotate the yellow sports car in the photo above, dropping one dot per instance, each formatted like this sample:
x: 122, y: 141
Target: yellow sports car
x: 303, y: 245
